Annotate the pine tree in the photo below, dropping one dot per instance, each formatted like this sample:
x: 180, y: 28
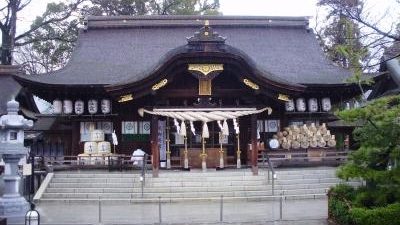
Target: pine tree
x: 376, y: 161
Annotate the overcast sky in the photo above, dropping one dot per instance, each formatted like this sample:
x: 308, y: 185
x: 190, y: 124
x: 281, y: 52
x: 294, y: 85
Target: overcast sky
x: 228, y: 7
x: 378, y: 8
x: 269, y: 7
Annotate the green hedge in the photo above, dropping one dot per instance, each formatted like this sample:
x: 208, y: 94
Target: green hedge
x: 358, y: 215
x: 339, y: 211
x: 389, y: 215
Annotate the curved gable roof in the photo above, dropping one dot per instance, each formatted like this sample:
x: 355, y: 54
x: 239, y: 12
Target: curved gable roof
x: 120, y: 49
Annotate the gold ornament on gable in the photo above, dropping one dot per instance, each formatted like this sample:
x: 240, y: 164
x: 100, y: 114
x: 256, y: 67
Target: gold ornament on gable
x: 251, y: 84
x: 206, y: 69
x: 159, y: 85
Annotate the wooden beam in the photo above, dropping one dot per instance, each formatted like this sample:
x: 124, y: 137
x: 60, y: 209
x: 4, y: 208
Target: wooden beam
x: 234, y: 93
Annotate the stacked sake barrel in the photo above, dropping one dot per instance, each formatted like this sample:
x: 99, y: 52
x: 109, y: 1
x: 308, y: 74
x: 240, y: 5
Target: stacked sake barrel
x: 96, y: 149
x: 306, y: 136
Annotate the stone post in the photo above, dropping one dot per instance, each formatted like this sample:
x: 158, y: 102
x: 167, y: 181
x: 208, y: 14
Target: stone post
x: 12, y: 205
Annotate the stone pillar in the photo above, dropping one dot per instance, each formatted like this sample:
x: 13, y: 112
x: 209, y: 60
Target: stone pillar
x: 12, y: 205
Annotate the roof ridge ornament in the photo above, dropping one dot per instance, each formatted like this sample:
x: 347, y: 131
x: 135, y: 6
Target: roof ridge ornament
x: 206, y: 39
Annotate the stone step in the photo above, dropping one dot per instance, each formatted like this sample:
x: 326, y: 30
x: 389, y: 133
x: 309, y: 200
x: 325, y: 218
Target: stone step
x: 163, y: 174
x: 185, y: 185
x: 306, y: 171
x: 152, y: 183
x: 91, y: 190
x: 98, y: 174
x: 204, y: 183
x: 307, y: 181
x: 210, y: 173
x: 314, y: 185
x: 304, y: 186
x: 93, y: 185
x: 305, y: 191
x: 156, y: 189
x: 192, y: 179
x: 95, y: 180
x: 207, y: 194
x: 211, y: 178
x: 305, y: 176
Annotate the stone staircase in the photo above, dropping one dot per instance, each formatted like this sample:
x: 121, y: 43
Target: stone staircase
x: 311, y: 182
x: 173, y: 186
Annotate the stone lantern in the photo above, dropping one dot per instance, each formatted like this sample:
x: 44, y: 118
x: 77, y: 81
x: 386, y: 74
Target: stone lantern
x: 12, y: 205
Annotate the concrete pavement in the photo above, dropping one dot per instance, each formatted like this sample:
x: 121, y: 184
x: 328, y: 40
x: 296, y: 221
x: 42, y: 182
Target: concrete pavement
x: 310, y: 212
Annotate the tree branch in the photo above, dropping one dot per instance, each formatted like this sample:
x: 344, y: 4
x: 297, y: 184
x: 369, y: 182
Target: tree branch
x: 377, y: 64
x: 24, y: 5
x: 43, y: 39
x: 371, y: 26
x: 53, y: 20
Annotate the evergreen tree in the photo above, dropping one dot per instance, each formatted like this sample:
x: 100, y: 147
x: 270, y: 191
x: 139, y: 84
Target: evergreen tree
x: 372, y: 33
x: 8, y: 25
x: 48, y: 43
x: 341, y: 31
x: 377, y: 160
x: 153, y: 7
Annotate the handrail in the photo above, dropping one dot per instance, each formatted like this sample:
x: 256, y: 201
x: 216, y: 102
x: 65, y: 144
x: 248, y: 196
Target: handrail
x: 307, y: 155
x: 90, y: 161
x: 208, y: 199
x: 271, y: 168
x: 326, y: 157
x: 143, y: 172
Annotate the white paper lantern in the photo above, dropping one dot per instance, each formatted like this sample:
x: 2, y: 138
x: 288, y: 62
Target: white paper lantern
x: 105, y: 106
x: 67, y: 106
x: 326, y: 104
x: 289, y: 105
x: 301, y: 105
x: 57, y: 106
x: 79, y: 107
x: 92, y: 106
x: 313, y: 105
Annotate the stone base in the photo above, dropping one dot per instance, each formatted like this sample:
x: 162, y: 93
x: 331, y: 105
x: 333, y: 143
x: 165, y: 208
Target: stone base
x: 14, y: 209
x: 254, y: 169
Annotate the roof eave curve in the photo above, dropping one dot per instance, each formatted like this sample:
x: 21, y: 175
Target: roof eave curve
x: 226, y: 54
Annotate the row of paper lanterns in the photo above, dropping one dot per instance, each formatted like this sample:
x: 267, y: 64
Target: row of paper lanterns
x: 313, y: 105
x: 78, y: 107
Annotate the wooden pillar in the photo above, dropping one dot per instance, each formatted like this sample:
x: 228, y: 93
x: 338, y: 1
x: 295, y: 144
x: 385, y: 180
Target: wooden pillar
x: 75, y: 139
x: 155, y: 151
x: 254, y: 151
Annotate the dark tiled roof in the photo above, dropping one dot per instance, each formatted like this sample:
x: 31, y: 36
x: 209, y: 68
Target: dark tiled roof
x: 120, y: 49
x: 44, y: 123
x: 9, y: 88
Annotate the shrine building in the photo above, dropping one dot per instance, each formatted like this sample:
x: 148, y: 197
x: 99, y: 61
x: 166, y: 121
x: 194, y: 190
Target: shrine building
x: 189, y: 89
